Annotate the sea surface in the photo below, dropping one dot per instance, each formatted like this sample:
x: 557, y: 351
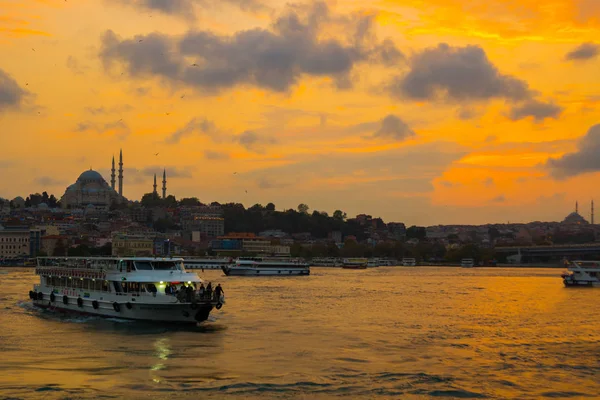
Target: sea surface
x: 388, y: 332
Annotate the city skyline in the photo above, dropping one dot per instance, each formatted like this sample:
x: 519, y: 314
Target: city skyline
x: 437, y: 113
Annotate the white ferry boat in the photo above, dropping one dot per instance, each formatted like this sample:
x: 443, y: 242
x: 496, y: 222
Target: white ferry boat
x: 409, y: 262
x: 206, y: 263
x: 467, y: 263
x: 152, y: 289
x: 582, y: 273
x: 355, y: 263
x: 271, y: 266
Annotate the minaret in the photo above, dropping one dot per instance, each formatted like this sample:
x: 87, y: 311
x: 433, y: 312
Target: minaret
x: 592, y: 212
x: 576, y: 207
x: 164, y: 188
x: 112, y: 175
x: 121, y: 172
x: 155, y: 184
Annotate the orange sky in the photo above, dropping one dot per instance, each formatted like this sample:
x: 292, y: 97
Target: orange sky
x: 426, y: 112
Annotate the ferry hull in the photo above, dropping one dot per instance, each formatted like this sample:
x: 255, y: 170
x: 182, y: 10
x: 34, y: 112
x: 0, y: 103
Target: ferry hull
x: 570, y: 283
x: 354, y: 267
x: 250, y: 271
x: 174, y: 312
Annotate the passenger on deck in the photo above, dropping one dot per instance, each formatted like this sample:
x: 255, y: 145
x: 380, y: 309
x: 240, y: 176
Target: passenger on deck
x: 209, y: 290
x: 189, y: 293
x: 218, y: 291
x: 201, y: 291
x: 181, y: 294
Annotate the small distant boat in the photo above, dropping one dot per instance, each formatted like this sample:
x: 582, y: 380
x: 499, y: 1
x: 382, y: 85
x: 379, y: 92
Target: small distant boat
x: 272, y: 266
x: 355, y: 263
x: 409, y: 262
x: 467, y: 263
x: 582, y: 274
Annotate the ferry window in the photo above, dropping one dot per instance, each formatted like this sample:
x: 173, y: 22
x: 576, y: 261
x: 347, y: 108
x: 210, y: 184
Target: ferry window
x: 143, y: 265
x: 105, y: 287
x: 164, y: 265
x: 117, y: 286
x: 97, y: 284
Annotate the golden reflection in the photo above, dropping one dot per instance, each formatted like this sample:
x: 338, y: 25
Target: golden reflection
x: 162, y: 350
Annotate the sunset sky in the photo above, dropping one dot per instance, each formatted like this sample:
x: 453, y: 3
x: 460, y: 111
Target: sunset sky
x: 424, y: 112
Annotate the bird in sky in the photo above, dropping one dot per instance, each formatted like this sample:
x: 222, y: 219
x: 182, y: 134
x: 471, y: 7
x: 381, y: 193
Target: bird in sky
x: 246, y: 191
x: 140, y: 41
x: 182, y: 96
x: 155, y: 154
x: 168, y: 113
x: 235, y: 173
x: 32, y: 49
x: 195, y: 65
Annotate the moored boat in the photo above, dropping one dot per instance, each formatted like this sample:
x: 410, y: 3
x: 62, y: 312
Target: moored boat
x: 409, y: 262
x: 266, y: 266
x: 206, y: 262
x: 152, y: 289
x: 467, y: 263
x: 355, y: 263
x: 582, y: 274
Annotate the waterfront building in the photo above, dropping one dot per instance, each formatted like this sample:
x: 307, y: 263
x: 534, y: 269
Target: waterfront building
x: 14, y: 242
x: 132, y: 245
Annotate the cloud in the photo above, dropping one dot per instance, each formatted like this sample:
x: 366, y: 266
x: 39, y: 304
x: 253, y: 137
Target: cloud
x: 456, y: 73
x: 465, y: 74
x: 172, y: 171
x: 488, y: 182
x: 536, y: 109
x: 274, y: 59
x: 215, y: 155
x: 75, y: 67
x: 392, y: 127
x: 48, y: 181
x: 499, y: 199
x: 195, y: 125
x: 109, y: 110
x: 118, y: 127
x: 12, y: 96
x: 585, y: 51
x: 584, y: 160
x: 254, y: 142
x: 264, y: 183
x: 186, y: 8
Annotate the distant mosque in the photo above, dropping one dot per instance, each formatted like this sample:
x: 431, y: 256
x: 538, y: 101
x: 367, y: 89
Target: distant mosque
x: 92, y: 192
x: 576, y: 219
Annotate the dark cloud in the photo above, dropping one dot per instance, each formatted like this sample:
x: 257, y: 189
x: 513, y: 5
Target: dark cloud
x: 499, y: 199
x: 109, y: 110
x: 48, y: 181
x: 536, y: 109
x: 186, y: 8
x: 584, y: 160
x: 394, y: 128
x: 488, y: 182
x: 585, y: 51
x: 273, y: 59
x: 172, y: 171
x: 456, y: 73
x: 11, y: 94
x: 254, y: 142
x: 465, y: 74
x: 194, y: 126
x: 215, y: 155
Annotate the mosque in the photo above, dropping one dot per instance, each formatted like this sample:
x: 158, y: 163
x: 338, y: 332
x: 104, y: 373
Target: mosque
x: 92, y: 192
x: 576, y: 219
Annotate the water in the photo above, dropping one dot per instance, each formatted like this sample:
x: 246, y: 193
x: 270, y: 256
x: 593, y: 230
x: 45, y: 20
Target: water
x: 378, y: 333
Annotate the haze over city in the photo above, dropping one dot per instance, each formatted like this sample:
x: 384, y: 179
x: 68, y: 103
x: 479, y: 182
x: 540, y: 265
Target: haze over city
x: 438, y: 112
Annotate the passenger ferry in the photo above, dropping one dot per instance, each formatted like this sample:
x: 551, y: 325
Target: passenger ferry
x: 409, y: 262
x: 355, y: 263
x: 326, y: 262
x: 206, y: 263
x: 583, y: 274
x: 271, y: 266
x: 467, y: 263
x: 129, y: 287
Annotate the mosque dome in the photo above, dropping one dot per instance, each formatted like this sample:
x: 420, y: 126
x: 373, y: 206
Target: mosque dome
x: 90, y: 175
x: 42, y: 206
x: 575, y: 218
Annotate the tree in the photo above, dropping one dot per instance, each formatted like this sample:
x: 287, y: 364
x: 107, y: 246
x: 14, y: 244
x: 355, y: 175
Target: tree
x: 416, y: 232
x: 189, y: 202
x: 256, y: 207
x: 339, y: 215
x: 150, y: 200
x: 303, y: 208
x: 170, y: 201
x: 59, y: 248
x: 270, y: 207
